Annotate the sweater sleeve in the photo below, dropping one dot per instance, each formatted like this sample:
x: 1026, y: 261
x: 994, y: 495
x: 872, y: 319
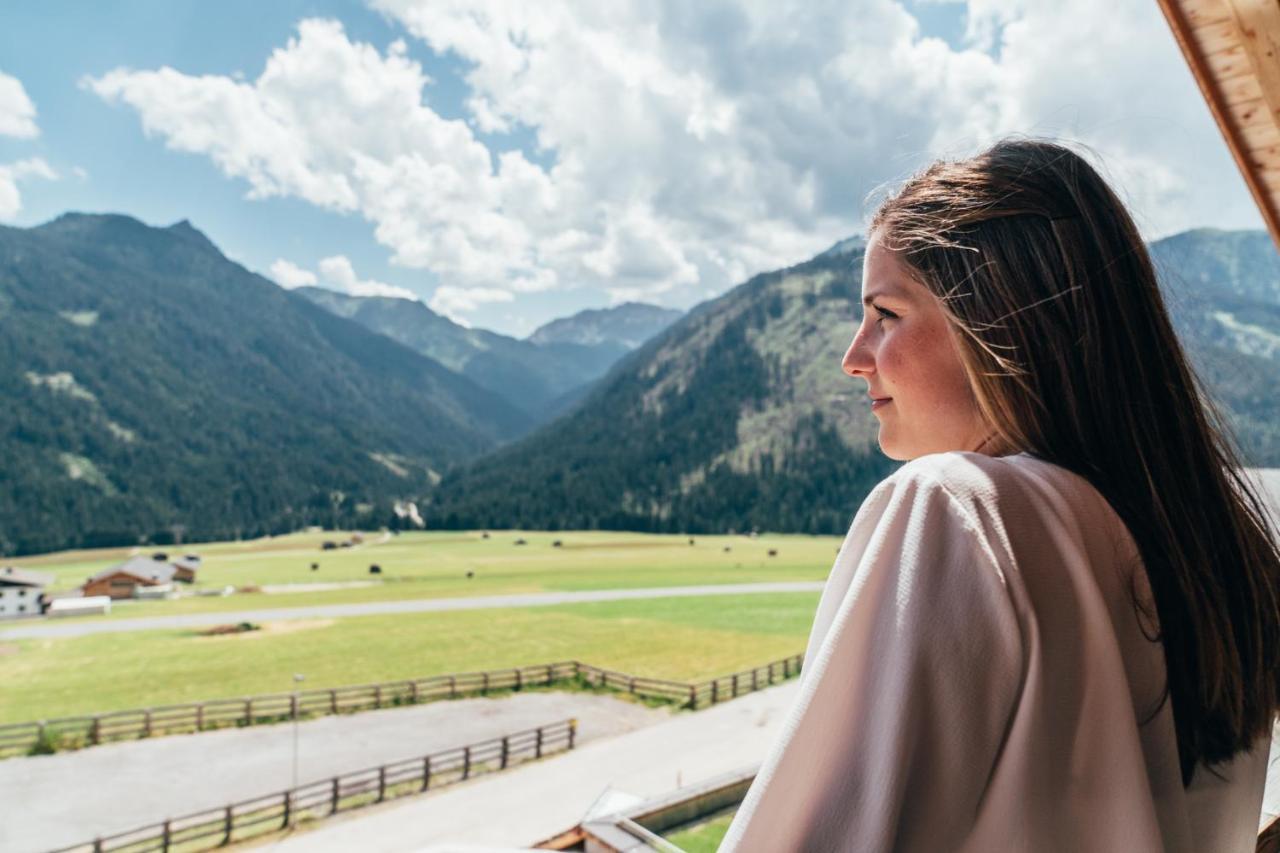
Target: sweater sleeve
x: 911, y: 677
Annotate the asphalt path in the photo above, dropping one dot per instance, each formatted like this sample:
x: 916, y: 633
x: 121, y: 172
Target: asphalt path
x: 72, y: 797
x: 60, y: 627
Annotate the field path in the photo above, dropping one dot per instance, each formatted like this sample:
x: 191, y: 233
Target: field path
x: 49, y: 628
x: 73, y: 797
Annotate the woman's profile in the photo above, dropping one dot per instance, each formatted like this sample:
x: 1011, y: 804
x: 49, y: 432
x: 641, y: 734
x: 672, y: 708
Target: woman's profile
x: 1057, y: 626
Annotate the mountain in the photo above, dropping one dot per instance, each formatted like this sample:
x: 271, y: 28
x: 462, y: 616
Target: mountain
x: 152, y: 388
x: 624, y: 326
x: 543, y: 378
x: 738, y: 416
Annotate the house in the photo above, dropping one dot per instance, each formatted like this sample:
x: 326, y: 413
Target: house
x: 22, y: 592
x: 122, y: 581
x: 185, y: 568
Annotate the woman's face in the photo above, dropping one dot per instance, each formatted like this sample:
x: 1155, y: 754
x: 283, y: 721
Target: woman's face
x: 906, y: 351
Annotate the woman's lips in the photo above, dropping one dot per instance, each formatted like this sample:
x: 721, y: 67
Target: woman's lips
x: 881, y: 403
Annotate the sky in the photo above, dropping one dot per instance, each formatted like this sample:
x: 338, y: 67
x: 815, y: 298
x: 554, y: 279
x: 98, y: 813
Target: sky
x: 508, y: 163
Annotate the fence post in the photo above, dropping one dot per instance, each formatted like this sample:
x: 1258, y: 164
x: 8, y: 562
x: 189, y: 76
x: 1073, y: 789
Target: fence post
x: 228, y: 824
x: 466, y: 762
x: 771, y: 673
x: 288, y: 809
x: 506, y: 748
x: 631, y: 688
x: 293, y: 706
x: 549, y: 679
x: 693, y: 696
x: 735, y: 685
x: 786, y: 668
x: 382, y: 783
x: 715, y: 691
x: 426, y: 773
x: 333, y: 701
x: 754, y: 686
x: 485, y: 688
x: 95, y: 731
x: 200, y: 717
x: 537, y: 747
x: 146, y: 723
x: 333, y: 796
x: 97, y: 845
x: 165, y: 838
x: 519, y: 679
x: 377, y: 696
x: 453, y: 687
x: 573, y: 730
x: 248, y: 712
x: 413, y: 692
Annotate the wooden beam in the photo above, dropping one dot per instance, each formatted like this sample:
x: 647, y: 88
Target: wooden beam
x: 1208, y: 12
x: 1259, y: 24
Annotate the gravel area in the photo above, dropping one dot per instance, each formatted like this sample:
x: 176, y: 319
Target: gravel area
x: 72, y: 797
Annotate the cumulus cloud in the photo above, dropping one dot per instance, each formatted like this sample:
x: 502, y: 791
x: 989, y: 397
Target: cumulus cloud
x: 338, y: 272
x: 11, y: 174
x: 456, y: 302
x: 289, y: 275
x: 17, y: 112
x: 686, y: 145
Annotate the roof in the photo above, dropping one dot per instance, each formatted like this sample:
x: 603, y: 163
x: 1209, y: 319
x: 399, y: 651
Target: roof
x: 187, y: 561
x: 142, y: 568
x: 1233, y: 50
x: 13, y: 576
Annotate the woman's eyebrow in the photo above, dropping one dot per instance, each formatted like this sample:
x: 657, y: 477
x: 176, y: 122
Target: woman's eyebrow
x: 871, y: 297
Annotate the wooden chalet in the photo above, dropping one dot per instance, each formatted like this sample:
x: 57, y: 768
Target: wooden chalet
x: 22, y: 592
x: 121, y: 581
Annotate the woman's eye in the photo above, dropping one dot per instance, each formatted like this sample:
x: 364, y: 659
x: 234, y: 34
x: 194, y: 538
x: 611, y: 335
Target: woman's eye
x: 884, y: 314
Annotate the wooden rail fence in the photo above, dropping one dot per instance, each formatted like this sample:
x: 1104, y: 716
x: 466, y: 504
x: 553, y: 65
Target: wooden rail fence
x: 95, y: 729
x: 218, y: 827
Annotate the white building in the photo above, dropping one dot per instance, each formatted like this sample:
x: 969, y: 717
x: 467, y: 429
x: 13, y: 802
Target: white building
x: 22, y: 592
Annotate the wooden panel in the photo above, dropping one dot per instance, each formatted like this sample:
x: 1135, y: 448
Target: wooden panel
x: 1261, y: 136
x: 1259, y: 23
x: 1241, y: 90
x: 1201, y: 13
x: 1226, y: 64
x: 1216, y: 37
x: 1251, y: 113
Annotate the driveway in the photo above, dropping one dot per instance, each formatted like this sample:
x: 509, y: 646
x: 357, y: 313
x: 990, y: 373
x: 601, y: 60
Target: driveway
x: 59, y: 628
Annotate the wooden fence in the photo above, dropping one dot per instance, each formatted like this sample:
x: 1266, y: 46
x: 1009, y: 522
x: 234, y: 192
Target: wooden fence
x: 218, y: 827
x: 92, y: 730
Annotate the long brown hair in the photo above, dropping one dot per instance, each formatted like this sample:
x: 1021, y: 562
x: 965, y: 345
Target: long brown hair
x: 1072, y: 358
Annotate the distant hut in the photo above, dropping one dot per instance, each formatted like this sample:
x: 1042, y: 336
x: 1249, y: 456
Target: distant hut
x: 185, y: 568
x: 125, y: 579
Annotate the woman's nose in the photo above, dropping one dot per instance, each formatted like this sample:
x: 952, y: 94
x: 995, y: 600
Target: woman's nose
x: 858, y: 360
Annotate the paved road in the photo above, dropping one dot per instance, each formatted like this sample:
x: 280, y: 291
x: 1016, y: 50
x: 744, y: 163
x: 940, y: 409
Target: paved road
x: 536, y: 801
x: 59, y: 628
x: 72, y: 797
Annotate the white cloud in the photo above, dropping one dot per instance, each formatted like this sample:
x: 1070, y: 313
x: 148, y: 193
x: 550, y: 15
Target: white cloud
x: 17, y: 112
x: 338, y: 272
x: 11, y: 174
x: 456, y: 302
x: 289, y: 275
x: 689, y: 145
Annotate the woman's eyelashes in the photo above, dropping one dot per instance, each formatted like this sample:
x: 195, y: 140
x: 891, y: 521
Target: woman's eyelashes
x: 885, y: 314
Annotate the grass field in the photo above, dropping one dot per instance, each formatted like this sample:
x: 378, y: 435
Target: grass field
x: 680, y: 638
x: 435, y: 565
x: 704, y: 837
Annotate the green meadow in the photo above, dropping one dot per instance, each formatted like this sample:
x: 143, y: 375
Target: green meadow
x: 421, y: 565
x: 679, y: 638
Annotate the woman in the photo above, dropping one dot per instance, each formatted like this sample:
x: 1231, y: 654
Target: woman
x: 1056, y: 627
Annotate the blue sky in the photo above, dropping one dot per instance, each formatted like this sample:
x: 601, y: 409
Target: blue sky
x: 582, y: 157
